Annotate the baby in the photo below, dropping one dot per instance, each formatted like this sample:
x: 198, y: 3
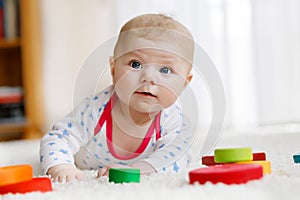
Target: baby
x: 137, y: 122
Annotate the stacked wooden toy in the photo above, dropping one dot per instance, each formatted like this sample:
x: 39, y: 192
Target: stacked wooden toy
x: 296, y: 158
x: 124, y: 175
x: 19, y: 179
x: 231, y: 166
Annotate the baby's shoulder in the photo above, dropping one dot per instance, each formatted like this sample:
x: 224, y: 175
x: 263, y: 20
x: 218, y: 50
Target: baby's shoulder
x: 174, y: 109
x: 173, y: 112
x: 105, y: 93
x: 103, y: 96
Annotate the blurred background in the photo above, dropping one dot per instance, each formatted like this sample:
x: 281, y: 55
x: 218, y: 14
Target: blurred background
x: 254, y: 44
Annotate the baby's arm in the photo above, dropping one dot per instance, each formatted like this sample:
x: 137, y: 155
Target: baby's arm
x: 145, y: 167
x: 58, y: 147
x: 172, y: 149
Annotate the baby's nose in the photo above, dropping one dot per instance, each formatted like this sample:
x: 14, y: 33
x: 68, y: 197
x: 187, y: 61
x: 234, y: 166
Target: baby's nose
x: 148, y: 74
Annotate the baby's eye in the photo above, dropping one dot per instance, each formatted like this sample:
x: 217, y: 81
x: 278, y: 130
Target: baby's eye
x: 165, y: 70
x: 136, y: 65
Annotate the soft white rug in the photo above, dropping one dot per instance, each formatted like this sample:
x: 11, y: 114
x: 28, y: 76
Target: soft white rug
x: 283, y: 183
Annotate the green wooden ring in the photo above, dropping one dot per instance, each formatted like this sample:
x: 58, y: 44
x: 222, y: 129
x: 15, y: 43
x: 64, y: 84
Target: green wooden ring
x: 229, y: 155
x: 124, y: 175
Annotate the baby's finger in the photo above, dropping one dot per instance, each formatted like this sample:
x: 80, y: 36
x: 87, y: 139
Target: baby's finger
x: 70, y: 177
x: 101, y: 172
x: 60, y: 178
x: 80, y: 176
x: 106, y: 172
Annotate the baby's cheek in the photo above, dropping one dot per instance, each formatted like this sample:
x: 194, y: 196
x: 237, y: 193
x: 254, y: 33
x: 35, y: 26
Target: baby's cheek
x: 125, y: 86
x: 167, y: 98
x: 174, y: 85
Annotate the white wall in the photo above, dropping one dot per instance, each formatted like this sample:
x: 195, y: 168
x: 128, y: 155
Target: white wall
x: 254, y: 44
x: 277, y: 53
x: 70, y: 31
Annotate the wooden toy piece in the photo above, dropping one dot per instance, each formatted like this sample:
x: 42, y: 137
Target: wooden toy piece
x: 259, y: 156
x: 33, y: 185
x: 15, y: 174
x: 210, y: 160
x: 266, y: 165
x: 229, y: 155
x: 296, y: 158
x: 227, y: 174
x: 124, y: 175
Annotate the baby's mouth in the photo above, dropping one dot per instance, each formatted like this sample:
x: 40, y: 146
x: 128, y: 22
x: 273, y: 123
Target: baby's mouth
x: 147, y: 94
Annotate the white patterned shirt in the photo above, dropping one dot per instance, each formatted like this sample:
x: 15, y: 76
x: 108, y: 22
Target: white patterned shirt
x: 72, y: 140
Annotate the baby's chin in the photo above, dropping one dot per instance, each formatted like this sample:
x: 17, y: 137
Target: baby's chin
x: 146, y: 108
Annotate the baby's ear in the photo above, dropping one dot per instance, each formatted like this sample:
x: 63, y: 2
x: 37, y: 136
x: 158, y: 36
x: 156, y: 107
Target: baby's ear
x: 188, y: 79
x: 112, y: 65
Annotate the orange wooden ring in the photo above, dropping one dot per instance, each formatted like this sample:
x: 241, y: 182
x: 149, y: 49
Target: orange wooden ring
x: 15, y: 174
x: 34, y: 185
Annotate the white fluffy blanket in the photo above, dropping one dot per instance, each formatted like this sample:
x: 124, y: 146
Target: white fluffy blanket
x: 283, y: 183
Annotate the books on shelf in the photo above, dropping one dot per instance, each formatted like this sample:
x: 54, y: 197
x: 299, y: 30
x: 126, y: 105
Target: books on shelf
x: 1, y: 20
x: 11, y: 104
x: 9, y: 19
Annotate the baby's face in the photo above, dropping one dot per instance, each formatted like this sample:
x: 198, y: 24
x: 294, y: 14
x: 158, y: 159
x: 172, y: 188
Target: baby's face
x: 149, y: 80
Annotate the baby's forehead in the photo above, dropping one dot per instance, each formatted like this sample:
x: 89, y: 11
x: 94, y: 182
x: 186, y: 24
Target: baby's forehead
x: 163, y: 53
x: 163, y: 46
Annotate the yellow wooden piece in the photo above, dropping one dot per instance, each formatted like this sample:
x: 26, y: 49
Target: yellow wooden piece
x: 266, y: 165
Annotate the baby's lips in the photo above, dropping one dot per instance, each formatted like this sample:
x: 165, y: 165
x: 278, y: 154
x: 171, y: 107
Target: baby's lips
x: 146, y: 93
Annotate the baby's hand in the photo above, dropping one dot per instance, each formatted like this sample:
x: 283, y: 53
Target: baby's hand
x: 65, y: 172
x: 104, y: 171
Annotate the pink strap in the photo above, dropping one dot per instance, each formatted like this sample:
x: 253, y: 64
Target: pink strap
x: 141, y: 148
x: 103, y: 117
x: 157, y: 126
x: 106, y: 116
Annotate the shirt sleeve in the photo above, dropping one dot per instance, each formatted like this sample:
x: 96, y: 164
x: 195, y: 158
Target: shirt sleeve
x: 60, y: 144
x: 172, y: 149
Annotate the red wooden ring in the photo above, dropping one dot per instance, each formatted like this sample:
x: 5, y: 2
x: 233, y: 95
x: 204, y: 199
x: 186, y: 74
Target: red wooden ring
x: 228, y: 174
x: 34, y: 185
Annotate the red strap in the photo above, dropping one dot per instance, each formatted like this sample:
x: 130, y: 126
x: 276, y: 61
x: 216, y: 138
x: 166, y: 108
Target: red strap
x: 106, y: 116
x: 103, y: 117
x: 141, y: 148
x: 157, y: 126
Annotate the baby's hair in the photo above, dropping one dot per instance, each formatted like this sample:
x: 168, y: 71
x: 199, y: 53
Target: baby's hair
x: 156, y: 27
x: 155, y: 21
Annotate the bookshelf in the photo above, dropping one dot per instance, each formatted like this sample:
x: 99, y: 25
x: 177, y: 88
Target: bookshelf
x: 20, y: 66
x: 5, y: 44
